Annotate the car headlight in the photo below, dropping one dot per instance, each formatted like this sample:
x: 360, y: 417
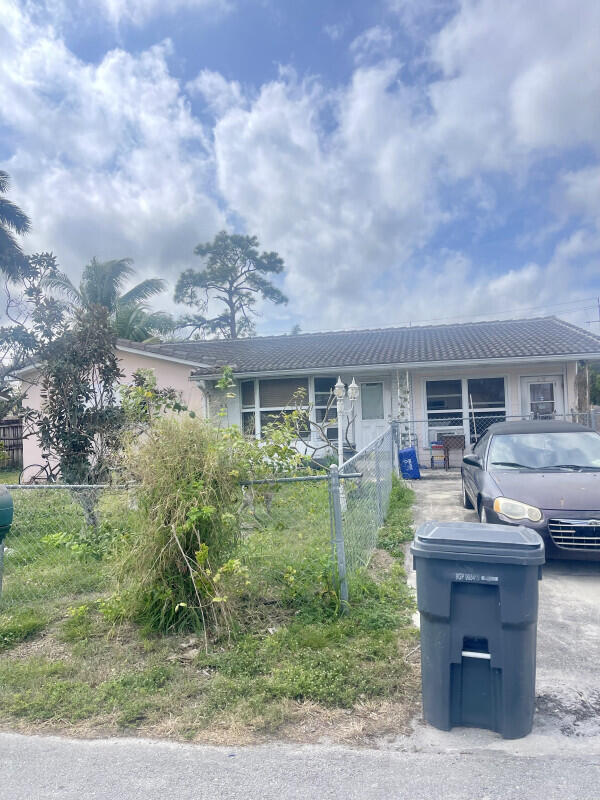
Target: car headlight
x: 514, y: 509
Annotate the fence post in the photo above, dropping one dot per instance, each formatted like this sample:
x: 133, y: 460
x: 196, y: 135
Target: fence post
x: 334, y: 488
x: 378, y: 487
x: 395, y: 446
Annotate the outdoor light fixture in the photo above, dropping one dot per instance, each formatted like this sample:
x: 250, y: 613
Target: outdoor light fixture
x: 340, y: 393
x: 353, y: 391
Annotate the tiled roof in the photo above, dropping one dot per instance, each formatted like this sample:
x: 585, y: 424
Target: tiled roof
x: 507, y: 339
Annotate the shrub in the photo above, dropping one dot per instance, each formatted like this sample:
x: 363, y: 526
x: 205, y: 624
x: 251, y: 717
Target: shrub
x: 190, y: 502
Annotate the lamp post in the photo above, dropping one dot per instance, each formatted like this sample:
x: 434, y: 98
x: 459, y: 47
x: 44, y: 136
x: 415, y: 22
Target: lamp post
x: 340, y: 393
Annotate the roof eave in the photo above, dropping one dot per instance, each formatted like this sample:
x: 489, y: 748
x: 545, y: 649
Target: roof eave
x: 139, y: 351
x: 400, y: 365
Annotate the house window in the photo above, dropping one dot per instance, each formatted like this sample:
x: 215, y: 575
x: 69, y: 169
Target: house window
x: 444, y: 407
x: 248, y: 408
x: 451, y: 404
x: 275, y: 396
x: 487, y: 404
x: 325, y: 406
x: 371, y: 400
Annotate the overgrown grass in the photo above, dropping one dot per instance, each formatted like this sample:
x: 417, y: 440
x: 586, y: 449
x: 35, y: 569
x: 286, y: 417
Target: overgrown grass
x: 47, y: 548
x: 68, y: 665
x: 398, y: 524
x: 19, y: 625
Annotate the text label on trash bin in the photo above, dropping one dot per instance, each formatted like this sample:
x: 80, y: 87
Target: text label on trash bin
x: 469, y: 577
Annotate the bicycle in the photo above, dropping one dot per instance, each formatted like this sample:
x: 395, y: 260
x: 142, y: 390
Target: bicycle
x: 35, y: 474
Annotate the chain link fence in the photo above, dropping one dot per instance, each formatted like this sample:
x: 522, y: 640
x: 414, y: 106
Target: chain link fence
x: 56, y: 549
x: 365, y: 499
x: 58, y: 539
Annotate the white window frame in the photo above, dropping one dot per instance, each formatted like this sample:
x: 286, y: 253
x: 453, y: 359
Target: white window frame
x: 465, y: 412
x: 258, y: 409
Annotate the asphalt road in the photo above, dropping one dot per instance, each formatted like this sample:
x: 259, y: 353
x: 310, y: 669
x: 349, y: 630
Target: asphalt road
x: 35, y: 768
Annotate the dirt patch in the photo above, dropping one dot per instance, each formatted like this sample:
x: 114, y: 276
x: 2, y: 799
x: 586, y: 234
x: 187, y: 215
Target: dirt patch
x: 380, y: 564
x: 44, y: 645
x: 579, y: 716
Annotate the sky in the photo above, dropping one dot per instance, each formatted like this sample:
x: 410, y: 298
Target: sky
x: 412, y: 161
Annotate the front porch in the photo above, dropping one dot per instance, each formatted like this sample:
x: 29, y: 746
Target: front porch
x: 429, y: 402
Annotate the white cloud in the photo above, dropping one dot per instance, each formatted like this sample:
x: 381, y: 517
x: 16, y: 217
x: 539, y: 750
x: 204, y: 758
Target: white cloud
x: 517, y: 78
x: 335, y: 31
x: 108, y: 159
x: 582, y: 192
x: 139, y: 11
x: 219, y: 94
x: 372, y: 44
x: 344, y: 207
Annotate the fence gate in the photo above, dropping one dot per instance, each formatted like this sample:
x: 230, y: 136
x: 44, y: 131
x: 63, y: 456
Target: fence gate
x: 11, y: 437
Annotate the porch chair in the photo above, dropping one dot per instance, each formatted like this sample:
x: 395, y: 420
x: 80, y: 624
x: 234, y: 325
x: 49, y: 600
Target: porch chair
x: 452, y: 441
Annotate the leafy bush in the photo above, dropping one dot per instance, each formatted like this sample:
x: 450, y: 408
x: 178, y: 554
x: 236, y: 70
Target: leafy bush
x: 182, y: 548
x: 87, y: 542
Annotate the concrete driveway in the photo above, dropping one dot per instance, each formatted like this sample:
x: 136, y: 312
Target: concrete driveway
x: 568, y: 655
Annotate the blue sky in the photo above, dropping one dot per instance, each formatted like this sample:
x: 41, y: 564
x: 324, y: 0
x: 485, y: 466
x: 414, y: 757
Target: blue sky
x: 411, y: 160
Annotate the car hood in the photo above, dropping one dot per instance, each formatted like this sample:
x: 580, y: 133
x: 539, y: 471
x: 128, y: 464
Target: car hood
x: 574, y: 491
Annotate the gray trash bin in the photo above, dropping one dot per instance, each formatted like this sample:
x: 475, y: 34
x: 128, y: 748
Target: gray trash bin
x: 477, y: 594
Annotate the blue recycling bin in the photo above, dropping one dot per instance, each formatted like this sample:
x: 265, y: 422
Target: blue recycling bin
x: 409, y: 463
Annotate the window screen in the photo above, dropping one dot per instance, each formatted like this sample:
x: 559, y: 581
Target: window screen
x: 371, y: 400
x: 486, y: 392
x: 248, y: 394
x: 444, y: 395
x: 279, y: 393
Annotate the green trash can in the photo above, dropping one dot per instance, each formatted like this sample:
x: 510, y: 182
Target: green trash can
x: 6, y: 518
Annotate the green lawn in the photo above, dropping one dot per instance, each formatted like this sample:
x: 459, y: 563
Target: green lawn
x: 297, y: 668
x: 9, y: 475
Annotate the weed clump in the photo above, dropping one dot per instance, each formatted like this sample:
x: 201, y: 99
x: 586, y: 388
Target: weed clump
x: 178, y: 567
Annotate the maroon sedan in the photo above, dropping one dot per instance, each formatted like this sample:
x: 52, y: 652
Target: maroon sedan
x: 543, y: 474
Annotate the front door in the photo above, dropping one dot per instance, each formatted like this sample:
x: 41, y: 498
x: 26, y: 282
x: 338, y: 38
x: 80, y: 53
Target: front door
x: 371, y: 421
x: 542, y: 397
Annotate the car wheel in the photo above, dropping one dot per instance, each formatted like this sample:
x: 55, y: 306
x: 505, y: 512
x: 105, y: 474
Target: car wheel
x: 465, y: 498
x: 482, y: 513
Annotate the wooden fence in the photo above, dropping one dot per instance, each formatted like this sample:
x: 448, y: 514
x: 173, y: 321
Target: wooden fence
x: 11, y: 439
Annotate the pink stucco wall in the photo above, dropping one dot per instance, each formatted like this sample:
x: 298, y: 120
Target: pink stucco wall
x: 168, y: 373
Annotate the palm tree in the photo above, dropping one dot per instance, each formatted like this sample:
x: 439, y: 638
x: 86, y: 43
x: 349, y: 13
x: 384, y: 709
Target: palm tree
x: 102, y: 284
x: 12, y: 221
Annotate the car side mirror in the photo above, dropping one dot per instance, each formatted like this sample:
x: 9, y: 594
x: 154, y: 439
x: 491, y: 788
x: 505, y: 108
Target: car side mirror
x: 473, y: 461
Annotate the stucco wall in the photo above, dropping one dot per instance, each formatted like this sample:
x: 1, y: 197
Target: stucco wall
x: 512, y: 376
x: 417, y: 378
x: 168, y: 373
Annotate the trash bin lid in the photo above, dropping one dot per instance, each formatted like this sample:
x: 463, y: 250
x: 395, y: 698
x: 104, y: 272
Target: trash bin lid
x: 475, y: 541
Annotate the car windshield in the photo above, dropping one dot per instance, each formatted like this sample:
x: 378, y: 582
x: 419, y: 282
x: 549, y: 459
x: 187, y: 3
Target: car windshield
x: 542, y: 451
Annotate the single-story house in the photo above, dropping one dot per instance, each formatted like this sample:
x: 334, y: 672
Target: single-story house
x: 435, y: 379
